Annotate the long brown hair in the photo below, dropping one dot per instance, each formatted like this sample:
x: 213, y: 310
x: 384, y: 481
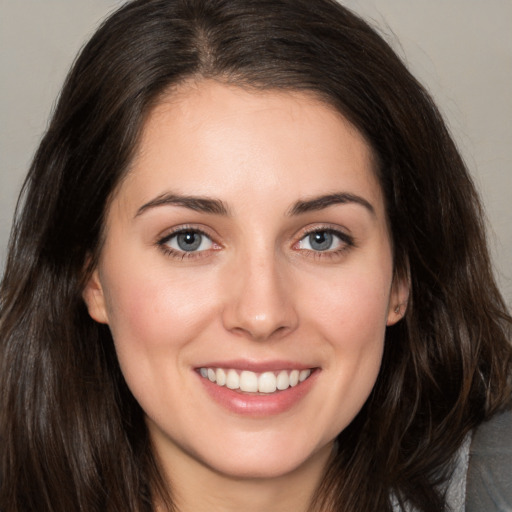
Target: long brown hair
x: 72, y: 435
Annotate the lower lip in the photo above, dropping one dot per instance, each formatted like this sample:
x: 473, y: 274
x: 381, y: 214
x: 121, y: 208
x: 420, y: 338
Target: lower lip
x: 259, y: 405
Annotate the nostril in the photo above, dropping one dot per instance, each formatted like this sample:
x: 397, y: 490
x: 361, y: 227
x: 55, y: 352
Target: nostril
x: 261, y: 334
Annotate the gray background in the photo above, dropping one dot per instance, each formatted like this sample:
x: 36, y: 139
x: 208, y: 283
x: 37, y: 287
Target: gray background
x: 460, y: 49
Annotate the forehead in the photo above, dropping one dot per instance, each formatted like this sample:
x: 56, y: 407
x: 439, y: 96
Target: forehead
x: 208, y: 138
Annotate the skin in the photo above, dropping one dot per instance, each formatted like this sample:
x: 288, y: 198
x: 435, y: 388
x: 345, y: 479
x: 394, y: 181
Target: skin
x: 258, y: 291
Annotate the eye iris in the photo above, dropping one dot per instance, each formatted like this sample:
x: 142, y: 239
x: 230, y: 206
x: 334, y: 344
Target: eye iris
x: 321, y: 240
x: 189, y: 241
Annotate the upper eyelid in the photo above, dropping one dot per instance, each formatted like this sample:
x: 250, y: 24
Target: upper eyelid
x: 168, y: 234
x: 343, y: 232
x: 164, y: 245
x: 346, y: 239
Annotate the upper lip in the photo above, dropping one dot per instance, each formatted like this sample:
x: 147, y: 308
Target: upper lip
x: 257, y: 366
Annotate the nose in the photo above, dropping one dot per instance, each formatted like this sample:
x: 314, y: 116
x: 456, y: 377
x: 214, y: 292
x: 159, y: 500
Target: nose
x: 260, y: 301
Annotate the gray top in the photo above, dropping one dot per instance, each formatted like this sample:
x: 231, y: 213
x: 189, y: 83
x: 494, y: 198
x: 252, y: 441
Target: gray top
x: 489, y: 477
x: 482, y: 476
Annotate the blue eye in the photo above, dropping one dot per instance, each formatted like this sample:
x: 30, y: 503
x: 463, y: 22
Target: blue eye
x: 188, y: 241
x: 321, y: 240
x: 324, y: 240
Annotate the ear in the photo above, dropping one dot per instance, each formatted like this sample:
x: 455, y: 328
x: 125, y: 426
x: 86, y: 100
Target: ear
x: 95, y: 298
x: 398, y: 298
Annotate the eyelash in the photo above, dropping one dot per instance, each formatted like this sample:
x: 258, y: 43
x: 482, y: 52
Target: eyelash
x: 347, y: 240
x: 182, y: 255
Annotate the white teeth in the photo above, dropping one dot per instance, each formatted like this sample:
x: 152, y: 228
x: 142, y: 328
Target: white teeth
x: 304, y: 374
x: 283, y: 380
x: 248, y: 381
x: 251, y: 382
x: 220, y: 375
x: 267, y: 382
x: 232, y: 380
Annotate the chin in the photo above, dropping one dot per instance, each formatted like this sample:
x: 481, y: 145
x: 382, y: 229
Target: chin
x: 264, y: 462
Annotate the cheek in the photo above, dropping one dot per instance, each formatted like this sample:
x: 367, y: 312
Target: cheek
x: 152, y: 299
x: 350, y: 314
x: 354, y: 303
x: 350, y: 317
x: 154, y: 319
x: 355, y: 331
x: 153, y: 316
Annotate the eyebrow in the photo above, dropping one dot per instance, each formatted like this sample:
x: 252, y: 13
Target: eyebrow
x: 196, y: 203
x: 322, y: 202
x: 218, y: 207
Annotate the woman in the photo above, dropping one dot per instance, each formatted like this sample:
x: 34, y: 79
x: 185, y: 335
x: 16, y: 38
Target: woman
x: 249, y: 272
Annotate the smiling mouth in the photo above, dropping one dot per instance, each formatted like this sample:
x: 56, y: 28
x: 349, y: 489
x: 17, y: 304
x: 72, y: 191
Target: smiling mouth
x: 252, y: 382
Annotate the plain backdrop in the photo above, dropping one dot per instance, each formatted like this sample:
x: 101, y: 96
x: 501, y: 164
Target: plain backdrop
x: 460, y: 49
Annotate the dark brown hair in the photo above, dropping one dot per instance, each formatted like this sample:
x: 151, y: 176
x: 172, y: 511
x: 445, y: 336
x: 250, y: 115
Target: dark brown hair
x: 72, y: 436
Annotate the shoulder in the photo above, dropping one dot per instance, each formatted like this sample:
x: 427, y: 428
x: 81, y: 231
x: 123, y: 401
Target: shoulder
x: 489, y: 477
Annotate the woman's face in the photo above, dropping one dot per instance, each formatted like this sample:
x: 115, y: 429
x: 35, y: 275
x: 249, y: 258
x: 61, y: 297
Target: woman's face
x: 248, y: 245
